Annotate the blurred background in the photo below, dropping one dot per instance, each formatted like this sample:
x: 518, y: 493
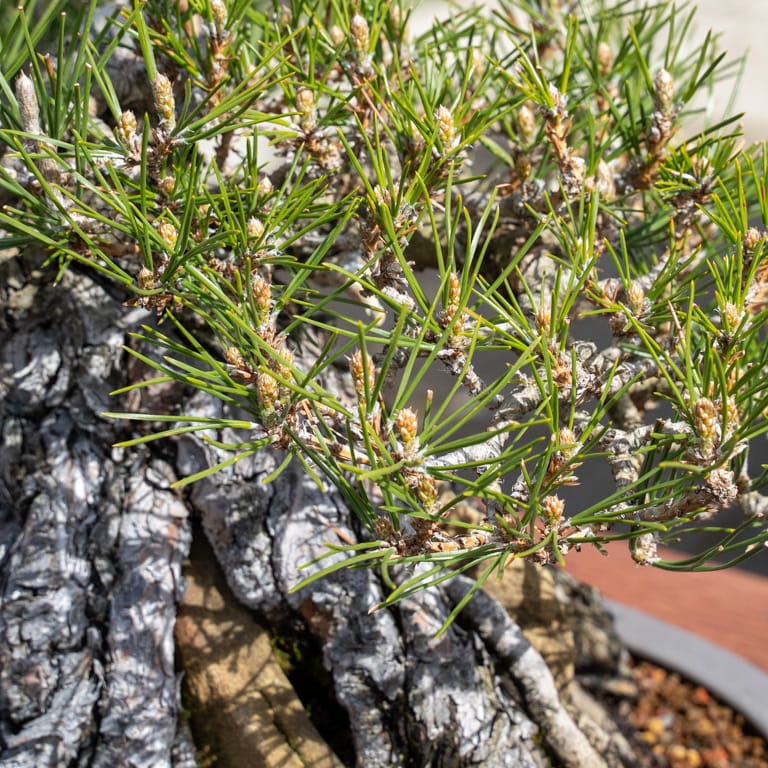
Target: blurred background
x: 739, y: 25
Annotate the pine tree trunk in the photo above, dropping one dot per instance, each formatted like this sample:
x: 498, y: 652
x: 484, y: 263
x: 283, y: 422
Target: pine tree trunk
x: 92, y: 541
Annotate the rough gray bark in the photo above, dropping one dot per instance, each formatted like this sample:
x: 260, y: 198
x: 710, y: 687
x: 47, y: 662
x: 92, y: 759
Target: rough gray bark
x: 91, y: 543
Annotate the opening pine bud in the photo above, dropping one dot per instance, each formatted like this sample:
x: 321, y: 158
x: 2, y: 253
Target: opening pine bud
x: 752, y: 238
x: 146, y: 279
x: 165, y: 103
x: 255, y: 228
x: 268, y: 391
x: 705, y: 419
x: 426, y: 490
x: 635, y: 298
x: 261, y: 291
x: 644, y: 550
x: 552, y: 508
x: 446, y: 129
x: 168, y: 233
x: 544, y: 319
x: 284, y: 362
x: 234, y: 357
x: 167, y: 185
x: 730, y: 315
x: 454, y: 289
x: 407, y: 425
x: 567, y: 440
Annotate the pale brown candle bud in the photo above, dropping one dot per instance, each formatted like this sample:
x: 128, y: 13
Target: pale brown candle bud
x: 167, y: 184
x: 525, y: 121
x: 165, y: 103
x: 635, y: 297
x: 446, y: 130
x: 261, y: 290
x: 407, y: 425
x: 543, y: 319
x: 268, y: 390
x: 255, y: 228
x: 28, y: 107
x: 125, y: 130
x: 219, y: 16
x: 705, y: 419
x: 664, y: 92
x: 363, y: 376
x: 752, y: 238
x: 336, y: 34
x: 359, y: 34
x: 426, y: 490
x: 604, y: 58
x: 146, y: 279
x: 552, y: 508
x: 305, y: 105
x: 168, y: 233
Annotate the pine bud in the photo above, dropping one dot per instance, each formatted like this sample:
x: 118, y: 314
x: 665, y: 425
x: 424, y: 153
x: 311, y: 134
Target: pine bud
x: 664, y: 92
x: 265, y: 187
x: 525, y: 120
x: 360, y: 37
x: 567, y: 439
x: 337, y: 35
x: 267, y: 390
x: 165, y: 103
x: 234, y: 357
x: 426, y: 490
x: 125, y: 130
x: 552, y: 507
x: 543, y: 319
x: 635, y: 298
x: 305, y: 105
x: 705, y: 419
x: 363, y: 375
x: 730, y: 315
x: 446, y: 130
x: 219, y: 16
x: 604, y: 58
x: 644, y: 549
x: 146, y: 279
x: 168, y: 233
x: 407, y: 425
x: 284, y: 362
x: 752, y: 238
x: 167, y: 184
x: 255, y: 228
x: 261, y: 290
x: 28, y: 107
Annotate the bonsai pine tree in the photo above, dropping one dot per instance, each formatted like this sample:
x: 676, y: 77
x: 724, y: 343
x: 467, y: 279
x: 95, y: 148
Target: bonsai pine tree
x: 491, y: 293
